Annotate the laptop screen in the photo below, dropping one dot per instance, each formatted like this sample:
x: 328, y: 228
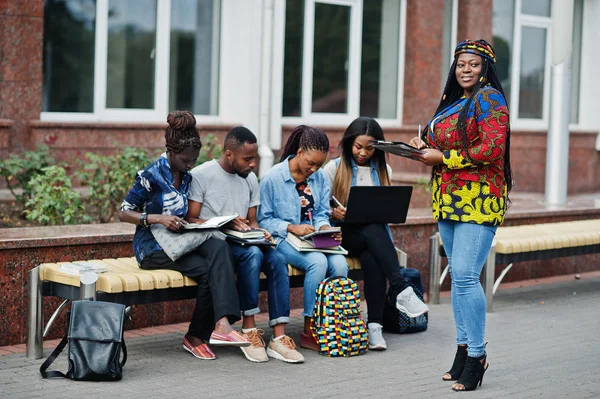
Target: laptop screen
x: 378, y: 204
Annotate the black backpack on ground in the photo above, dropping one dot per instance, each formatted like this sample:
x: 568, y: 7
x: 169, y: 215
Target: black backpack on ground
x: 398, y: 322
x: 95, y: 338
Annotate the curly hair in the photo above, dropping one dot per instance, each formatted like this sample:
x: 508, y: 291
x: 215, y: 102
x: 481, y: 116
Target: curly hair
x: 181, y: 132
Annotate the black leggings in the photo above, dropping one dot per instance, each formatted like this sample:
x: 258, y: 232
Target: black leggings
x: 373, y: 246
x: 211, y: 266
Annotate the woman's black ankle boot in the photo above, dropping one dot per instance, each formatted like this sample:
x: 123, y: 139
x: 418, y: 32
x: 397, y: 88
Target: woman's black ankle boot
x: 472, y: 375
x: 458, y: 365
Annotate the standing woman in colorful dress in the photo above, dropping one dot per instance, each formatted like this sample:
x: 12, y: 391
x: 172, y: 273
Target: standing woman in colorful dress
x: 467, y: 142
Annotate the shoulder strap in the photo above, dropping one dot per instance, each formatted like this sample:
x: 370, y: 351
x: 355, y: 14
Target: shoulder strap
x: 51, y: 359
x: 124, y: 349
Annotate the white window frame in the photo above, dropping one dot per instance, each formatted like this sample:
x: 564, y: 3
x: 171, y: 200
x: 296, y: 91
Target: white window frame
x: 161, y: 75
x: 354, y: 69
x: 533, y: 21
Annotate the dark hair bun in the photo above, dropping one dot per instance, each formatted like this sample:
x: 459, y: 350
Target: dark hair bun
x: 181, y: 120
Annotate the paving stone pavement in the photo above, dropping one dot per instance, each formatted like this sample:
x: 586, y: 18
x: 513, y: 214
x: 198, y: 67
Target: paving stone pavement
x: 544, y: 342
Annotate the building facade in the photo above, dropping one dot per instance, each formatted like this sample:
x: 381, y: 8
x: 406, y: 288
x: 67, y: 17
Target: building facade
x: 98, y: 75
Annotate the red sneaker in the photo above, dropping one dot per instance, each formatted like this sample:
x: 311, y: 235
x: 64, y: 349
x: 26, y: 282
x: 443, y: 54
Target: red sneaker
x: 308, y: 342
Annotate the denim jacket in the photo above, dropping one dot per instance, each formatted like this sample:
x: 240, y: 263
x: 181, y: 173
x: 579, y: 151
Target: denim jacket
x: 280, y: 204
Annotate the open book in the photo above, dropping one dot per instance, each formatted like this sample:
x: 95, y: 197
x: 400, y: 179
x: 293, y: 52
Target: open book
x: 82, y: 267
x: 303, y: 245
x: 212, y: 223
x: 397, y: 148
x: 323, y: 238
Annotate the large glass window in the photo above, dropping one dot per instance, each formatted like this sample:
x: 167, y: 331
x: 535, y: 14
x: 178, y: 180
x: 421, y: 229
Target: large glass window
x: 532, y: 72
x: 341, y: 59
x: 130, y: 59
x: 521, y: 32
x: 68, y: 63
x: 330, y: 58
x: 131, y: 54
x: 193, y: 62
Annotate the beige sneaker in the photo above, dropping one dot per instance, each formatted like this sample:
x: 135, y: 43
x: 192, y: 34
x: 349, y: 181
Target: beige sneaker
x: 255, y: 352
x: 284, y: 349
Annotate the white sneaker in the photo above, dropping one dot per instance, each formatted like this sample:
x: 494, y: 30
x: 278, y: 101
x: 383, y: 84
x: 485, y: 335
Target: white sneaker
x: 256, y: 352
x: 408, y: 302
x: 376, y: 341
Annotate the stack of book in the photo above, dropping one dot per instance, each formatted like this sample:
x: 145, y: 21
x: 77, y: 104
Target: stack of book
x: 250, y: 237
x: 304, y: 245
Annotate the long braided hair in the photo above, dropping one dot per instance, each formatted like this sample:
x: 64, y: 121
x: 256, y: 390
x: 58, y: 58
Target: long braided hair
x: 305, y: 138
x: 181, y: 132
x: 454, y: 92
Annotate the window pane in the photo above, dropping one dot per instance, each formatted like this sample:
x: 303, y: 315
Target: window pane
x: 447, y: 40
x: 193, y: 81
x: 131, y: 50
x: 576, y: 60
x: 536, y: 7
x: 533, y: 55
x: 379, y: 62
x: 330, y: 62
x: 292, y: 64
x: 503, y: 25
x: 69, y: 37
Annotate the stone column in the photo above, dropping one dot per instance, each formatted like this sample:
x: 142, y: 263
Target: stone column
x: 475, y: 20
x: 21, y: 44
x: 423, y: 60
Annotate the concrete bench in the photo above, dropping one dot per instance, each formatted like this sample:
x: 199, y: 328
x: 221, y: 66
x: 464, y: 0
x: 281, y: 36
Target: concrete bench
x: 124, y: 282
x: 515, y: 244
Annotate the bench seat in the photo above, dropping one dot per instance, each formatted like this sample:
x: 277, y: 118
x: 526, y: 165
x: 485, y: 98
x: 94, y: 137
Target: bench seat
x: 514, y: 244
x: 124, y: 275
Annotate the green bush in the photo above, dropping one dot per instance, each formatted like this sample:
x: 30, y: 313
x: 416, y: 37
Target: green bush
x: 211, y: 149
x: 19, y: 170
x: 110, y: 178
x: 53, y: 200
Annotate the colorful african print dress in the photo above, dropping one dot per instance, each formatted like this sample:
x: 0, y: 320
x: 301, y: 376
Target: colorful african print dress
x: 470, y: 186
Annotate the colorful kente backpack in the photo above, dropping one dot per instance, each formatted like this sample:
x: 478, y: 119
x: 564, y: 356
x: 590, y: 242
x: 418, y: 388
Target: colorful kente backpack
x: 337, y: 325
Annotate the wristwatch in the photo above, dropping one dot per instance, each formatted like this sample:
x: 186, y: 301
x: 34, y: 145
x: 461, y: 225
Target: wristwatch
x: 144, y: 220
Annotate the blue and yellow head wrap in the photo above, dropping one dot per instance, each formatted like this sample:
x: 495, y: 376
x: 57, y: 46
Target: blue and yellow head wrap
x: 479, y: 47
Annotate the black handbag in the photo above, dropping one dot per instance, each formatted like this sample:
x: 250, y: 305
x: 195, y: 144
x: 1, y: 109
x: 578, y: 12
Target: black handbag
x: 95, y: 338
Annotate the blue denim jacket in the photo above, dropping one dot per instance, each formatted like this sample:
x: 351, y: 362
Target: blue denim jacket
x: 280, y: 204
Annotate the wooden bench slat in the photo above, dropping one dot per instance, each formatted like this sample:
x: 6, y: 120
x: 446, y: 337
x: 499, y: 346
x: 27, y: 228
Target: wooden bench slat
x: 129, y: 282
x: 145, y: 280
x: 175, y: 279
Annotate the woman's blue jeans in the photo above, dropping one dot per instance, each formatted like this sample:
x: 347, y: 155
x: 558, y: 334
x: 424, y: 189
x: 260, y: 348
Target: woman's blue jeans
x: 316, y: 266
x: 467, y: 246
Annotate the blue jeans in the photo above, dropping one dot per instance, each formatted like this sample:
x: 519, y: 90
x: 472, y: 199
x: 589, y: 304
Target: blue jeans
x: 249, y: 262
x: 467, y: 246
x: 316, y: 266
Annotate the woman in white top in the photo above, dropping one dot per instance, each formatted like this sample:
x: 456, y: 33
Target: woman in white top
x: 361, y: 165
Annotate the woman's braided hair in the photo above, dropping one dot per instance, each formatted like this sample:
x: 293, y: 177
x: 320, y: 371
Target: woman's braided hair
x: 181, y: 132
x: 305, y: 138
x: 453, y: 92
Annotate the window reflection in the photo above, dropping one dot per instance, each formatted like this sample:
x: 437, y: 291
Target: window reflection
x: 330, y: 58
x: 131, y: 54
x: 194, y: 56
x: 68, y: 65
x: 533, y: 55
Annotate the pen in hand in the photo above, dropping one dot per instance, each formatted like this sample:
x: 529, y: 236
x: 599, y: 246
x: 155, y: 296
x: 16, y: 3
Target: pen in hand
x: 339, y: 204
x: 310, y: 218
